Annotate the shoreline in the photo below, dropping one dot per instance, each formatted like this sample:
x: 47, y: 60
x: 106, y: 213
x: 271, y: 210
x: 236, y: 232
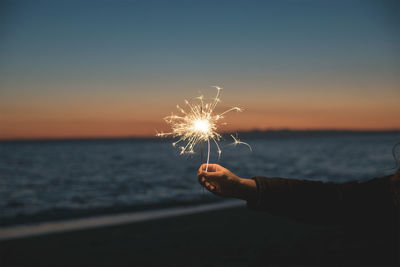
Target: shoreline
x: 59, y: 214
x: 49, y: 227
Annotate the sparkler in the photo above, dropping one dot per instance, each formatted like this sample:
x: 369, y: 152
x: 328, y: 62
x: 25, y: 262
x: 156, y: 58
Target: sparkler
x: 198, y: 124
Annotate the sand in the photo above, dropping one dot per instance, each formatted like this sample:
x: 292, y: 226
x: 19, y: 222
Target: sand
x: 227, y: 237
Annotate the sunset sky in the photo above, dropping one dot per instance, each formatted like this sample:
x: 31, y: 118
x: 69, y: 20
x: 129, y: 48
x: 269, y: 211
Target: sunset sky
x: 116, y: 68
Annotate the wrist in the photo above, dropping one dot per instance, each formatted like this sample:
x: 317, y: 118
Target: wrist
x: 247, y: 189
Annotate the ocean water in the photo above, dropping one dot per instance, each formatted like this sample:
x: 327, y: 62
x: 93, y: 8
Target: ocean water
x: 41, y: 176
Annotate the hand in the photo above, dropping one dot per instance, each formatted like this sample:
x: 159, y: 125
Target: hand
x: 222, y: 182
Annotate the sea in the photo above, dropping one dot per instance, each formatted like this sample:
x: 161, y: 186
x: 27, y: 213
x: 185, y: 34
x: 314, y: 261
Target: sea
x: 56, y: 179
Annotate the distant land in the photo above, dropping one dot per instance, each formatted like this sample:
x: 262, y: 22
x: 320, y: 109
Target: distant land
x: 244, y: 134
x: 288, y: 132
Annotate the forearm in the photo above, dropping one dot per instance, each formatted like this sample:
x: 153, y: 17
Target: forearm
x: 315, y: 201
x: 247, y: 190
x: 303, y: 200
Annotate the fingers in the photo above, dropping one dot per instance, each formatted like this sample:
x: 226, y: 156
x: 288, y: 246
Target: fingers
x: 203, y: 168
x: 211, y: 167
x: 211, y: 176
x: 209, y: 186
x: 201, y: 179
x: 206, y: 183
x: 200, y: 169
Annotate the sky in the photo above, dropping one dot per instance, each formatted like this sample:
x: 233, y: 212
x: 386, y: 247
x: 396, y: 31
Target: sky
x: 117, y: 68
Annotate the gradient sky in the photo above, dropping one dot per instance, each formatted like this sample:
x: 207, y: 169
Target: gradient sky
x: 116, y: 68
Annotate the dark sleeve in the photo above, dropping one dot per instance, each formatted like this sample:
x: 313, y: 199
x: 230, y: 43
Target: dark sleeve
x: 318, y: 202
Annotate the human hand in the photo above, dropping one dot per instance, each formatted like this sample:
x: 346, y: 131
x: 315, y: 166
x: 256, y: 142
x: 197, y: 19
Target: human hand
x: 223, y: 182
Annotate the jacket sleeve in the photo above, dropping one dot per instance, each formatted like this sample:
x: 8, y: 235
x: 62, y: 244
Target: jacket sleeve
x: 318, y: 202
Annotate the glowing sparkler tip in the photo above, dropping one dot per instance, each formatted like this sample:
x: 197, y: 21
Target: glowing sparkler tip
x: 197, y: 124
x: 202, y: 126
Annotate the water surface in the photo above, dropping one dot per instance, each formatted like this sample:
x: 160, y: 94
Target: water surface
x: 70, y: 175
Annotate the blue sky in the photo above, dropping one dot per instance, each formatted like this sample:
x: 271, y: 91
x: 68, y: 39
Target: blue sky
x: 55, y: 54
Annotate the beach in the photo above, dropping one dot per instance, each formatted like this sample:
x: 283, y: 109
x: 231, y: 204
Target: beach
x: 95, y: 203
x: 235, y: 236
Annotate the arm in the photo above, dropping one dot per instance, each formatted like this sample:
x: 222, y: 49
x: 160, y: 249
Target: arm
x: 315, y: 201
x: 310, y: 201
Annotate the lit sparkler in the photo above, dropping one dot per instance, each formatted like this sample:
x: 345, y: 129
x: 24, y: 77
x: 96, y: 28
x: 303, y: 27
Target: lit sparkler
x: 198, y: 124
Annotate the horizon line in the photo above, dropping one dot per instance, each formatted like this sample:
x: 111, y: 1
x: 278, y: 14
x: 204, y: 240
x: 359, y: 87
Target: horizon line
x: 100, y: 137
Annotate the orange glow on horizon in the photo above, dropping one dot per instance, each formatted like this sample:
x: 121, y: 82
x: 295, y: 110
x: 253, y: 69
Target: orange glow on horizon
x: 122, y: 115
x: 43, y: 129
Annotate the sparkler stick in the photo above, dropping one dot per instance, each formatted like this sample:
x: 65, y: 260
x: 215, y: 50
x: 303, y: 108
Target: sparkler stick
x: 198, y: 124
x: 208, y: 154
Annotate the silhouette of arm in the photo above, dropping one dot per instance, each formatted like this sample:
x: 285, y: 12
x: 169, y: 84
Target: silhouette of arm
x: 318, y: 202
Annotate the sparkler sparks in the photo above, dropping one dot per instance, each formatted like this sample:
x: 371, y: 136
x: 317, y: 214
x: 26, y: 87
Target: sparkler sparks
x: 198, y: 124
x: 236, y: 141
